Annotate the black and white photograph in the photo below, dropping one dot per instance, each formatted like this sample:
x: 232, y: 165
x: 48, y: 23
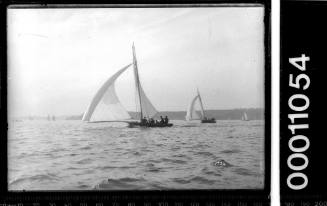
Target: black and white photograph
x: 136, y: 98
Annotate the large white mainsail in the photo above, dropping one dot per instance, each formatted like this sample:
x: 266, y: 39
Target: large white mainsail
x: 191, y: 114
x: 146, y: 107
x: 105, y: 105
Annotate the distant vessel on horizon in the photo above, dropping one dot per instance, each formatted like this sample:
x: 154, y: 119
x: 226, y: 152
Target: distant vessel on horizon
x: 191, y: 114
x: 51, y: 118
x: 245, y: 117
x: 106, y: 107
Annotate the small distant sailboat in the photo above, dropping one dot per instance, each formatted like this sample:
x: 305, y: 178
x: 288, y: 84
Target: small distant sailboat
x: 245, y: 117
x: 191, y: 113
x: 106, y: 107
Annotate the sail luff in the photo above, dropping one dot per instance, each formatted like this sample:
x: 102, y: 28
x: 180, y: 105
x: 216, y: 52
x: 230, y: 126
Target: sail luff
x: 201, y: 104
x: 137, y: 81
x: 146, y: 107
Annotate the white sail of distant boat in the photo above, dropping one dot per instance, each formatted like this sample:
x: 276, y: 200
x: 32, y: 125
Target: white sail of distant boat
x: 105, y: 105
x: 245, y: 117
x: 191, y: 113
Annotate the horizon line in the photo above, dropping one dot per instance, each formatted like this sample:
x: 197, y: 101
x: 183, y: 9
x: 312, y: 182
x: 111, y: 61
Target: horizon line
x: 44, y: 115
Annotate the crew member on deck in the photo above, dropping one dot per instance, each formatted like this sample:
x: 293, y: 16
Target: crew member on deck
x: 162, y: 121
x: 166, y: 120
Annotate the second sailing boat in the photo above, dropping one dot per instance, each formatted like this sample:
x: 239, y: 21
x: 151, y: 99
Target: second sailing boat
x: 191, y: 114
x: 245, y: 117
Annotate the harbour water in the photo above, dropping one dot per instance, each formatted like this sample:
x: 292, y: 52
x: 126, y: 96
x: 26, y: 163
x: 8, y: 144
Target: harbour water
x: 72, y: 155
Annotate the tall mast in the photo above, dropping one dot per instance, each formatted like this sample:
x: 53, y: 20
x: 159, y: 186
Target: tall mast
x: 201, y: 103
x: 137, y: 79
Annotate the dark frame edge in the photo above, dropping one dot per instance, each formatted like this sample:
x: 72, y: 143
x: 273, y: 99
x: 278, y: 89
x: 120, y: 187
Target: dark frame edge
x: 214, y: 194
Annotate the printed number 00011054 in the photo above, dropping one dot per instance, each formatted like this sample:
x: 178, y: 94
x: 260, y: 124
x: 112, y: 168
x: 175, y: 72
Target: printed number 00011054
x: 298, y: 104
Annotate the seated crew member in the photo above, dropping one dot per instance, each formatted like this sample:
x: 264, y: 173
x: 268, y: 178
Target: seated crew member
x: 144, y: 120
x: 166, y: 120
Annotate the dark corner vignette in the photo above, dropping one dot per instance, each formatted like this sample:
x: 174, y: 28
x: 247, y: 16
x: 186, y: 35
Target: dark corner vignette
x: 3, y: 102
x: 302, y: 107
x: 193, y: 197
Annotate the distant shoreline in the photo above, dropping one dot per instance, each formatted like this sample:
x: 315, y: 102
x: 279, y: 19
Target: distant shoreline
x: 230, y: 114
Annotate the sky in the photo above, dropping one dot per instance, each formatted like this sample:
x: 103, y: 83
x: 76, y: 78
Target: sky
x: 59, y: 58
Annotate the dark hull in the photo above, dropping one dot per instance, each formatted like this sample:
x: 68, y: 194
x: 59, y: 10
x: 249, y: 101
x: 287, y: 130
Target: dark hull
x: 208, y: 121
x: 139, y: 124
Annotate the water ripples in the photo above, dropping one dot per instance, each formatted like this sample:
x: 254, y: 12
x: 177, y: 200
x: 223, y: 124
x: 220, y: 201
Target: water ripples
x: 63, y: 155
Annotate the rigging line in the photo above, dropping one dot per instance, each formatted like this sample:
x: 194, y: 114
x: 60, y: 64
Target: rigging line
x: 137, y: 79
x: 201, y: 104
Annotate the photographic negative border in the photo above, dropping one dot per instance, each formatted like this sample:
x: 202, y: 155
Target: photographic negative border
x: 302, y: 37
x: 233, y: 196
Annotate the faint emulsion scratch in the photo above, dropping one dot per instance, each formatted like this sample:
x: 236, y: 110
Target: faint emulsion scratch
x: 32, y: 34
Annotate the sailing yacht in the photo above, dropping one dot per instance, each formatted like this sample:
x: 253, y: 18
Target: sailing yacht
x: 191, y: 113
x: 245, y: 117
x: 106, y: 107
